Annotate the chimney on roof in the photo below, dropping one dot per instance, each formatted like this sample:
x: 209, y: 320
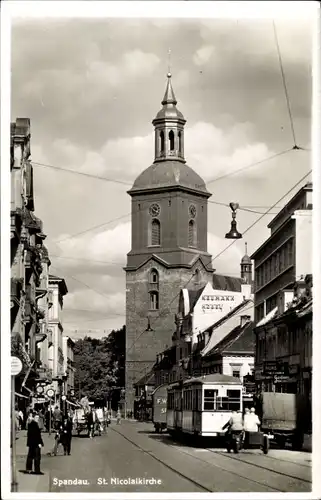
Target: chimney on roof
x: 245, y: 318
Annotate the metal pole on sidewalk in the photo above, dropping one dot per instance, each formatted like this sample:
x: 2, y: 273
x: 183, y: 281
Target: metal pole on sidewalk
x: 14, y: 484
x: 50, y: 416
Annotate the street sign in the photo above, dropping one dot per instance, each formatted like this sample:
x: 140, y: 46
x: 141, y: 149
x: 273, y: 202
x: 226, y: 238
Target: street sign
x: 40, y: 400
x: 16, y: 366
x: 50, y: 393
x: 63, y: 398
x: 39, y: 389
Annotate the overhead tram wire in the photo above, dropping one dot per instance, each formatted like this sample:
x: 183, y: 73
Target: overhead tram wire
x: 295, y: 146
x: 224, y: 250
x: 117, y: 181
x: 130, y: 184
x: 120, y: 264
x: 81, y: 282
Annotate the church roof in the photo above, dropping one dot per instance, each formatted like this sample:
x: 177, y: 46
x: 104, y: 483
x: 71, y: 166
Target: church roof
x: 169, y: 173
x: 230, y: 283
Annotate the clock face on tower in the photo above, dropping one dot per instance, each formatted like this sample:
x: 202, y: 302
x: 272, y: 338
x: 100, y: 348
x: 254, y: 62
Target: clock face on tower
x: 154, y: 210
x: 192, y: 211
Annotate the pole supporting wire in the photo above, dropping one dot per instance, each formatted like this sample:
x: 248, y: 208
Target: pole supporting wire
x: 295, y: 146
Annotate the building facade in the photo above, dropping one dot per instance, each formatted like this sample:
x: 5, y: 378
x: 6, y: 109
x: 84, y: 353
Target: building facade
x: 286, y: 254
x: 169, y: 244
x: 69, y: 365
x: 205, y: 318
x: 283, y: 360
x: 28, y: 326
x: 57, y: 289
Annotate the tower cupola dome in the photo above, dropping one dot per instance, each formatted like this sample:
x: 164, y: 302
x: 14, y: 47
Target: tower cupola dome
x: 169, y: 128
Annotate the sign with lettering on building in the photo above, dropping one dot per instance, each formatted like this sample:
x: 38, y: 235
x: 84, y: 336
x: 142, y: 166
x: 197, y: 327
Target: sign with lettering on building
x: 215, y: 301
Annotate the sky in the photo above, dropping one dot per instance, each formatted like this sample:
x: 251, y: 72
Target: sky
x: 91, y: 88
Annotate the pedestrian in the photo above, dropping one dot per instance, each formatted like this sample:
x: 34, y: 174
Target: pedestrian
x: 118, y: 417
x: 34, y: 443
x: 47, y: 419
x: 90, y: 423
x: 66, y: 435
x: 57, y: 417
x: 235, y: 423
x: 41, y: 420
x: 251, y: 421
x: 20, y: 415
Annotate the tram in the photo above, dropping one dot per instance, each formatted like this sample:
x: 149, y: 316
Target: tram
x: 201, y: 406
x: 159, y: 398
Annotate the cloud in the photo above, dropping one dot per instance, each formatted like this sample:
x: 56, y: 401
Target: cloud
x: 203, y: 55
x: 85, y: 299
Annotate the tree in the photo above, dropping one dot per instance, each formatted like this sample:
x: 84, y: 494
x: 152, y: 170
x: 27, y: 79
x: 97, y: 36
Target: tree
x: 100, y: 365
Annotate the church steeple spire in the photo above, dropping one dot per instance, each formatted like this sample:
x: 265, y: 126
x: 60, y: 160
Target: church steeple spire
x: 169, y: 128
x: 169, y: 96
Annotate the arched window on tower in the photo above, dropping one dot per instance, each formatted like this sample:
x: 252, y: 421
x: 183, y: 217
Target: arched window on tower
x: 154, y: 277
x: 153, y: 301
x: 171, y: 141
x: 155, y: 232
x: 162, y: 141
x: 191, y: 233
x: 180, y: 141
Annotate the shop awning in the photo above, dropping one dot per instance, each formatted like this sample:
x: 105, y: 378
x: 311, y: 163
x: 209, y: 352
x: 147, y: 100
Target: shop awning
x: 21, y: 395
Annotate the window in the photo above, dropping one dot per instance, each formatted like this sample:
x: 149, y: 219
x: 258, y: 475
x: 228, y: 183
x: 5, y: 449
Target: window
x: 153, y: 301
x: 171, y: 140
x: 236, y: 373
x: 197, y: 277
x: 290, y: 253
x: 210, y: 397
x: 191, y: 233
x: 162, y: 141
x: 180, y: 141
x: 154, y: 277
x: 155, y: 232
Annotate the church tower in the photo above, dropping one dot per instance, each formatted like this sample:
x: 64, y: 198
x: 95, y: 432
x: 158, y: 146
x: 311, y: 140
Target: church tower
x: 169, y: 244
x: 246, y: 268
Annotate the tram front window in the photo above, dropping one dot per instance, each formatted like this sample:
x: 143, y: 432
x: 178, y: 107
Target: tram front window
x: 232, y: 402
x: 210, y: 397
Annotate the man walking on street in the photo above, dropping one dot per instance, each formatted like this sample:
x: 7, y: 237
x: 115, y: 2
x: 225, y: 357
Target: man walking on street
x: 34, y: 443
x: 66, y: 435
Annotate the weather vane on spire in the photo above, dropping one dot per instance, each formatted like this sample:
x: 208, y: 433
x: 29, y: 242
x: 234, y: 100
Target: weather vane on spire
x: 169, y: 63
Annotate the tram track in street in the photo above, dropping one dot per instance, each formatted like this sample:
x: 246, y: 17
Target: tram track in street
x: 240, y: 459
x: 196, y: 458
x: 196, y: 483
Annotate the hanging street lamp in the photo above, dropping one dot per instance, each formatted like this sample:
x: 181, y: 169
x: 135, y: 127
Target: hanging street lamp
x: 233, y: 234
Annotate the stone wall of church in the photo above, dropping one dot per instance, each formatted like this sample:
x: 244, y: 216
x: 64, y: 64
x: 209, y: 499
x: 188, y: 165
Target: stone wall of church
x: 141, y: 346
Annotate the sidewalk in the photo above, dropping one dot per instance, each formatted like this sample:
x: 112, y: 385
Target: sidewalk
x: 32, y: 483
